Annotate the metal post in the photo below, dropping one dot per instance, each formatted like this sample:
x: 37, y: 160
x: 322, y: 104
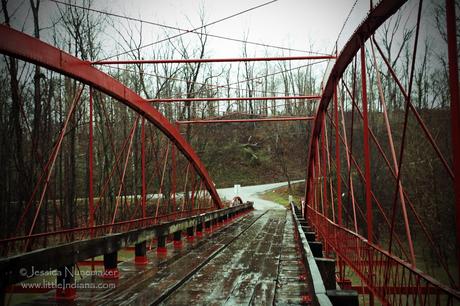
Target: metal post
x: 319, y: 183
x: 90, y: 163
x: 208, y: 226
x: 454, y: 111
x: 323, y: 153
x: 173, y: 166
x: 199, y: 229
x: 177, y: 236
x: 65, y: 281
x: 192, y: 196
x: 337, y: 158
x: 190, y: 233
x: 367, y: 163
x: 110, y: 266
x: 140, y: 250
x: 315, y: 178
x: 161, y: 245
x: 144, y: 191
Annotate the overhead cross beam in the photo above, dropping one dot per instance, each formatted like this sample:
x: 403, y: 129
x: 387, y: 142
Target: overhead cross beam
x: 272, y: 119
x: 215, y: 60
x: 212, y: 99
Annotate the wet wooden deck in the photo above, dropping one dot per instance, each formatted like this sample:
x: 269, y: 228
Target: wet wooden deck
x: 251, y: 261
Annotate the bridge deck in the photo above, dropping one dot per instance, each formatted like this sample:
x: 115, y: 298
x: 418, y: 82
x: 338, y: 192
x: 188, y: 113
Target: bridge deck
x: 250, y: 261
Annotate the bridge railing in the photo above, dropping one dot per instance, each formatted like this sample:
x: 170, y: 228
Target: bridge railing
x: 25, y: 243
x: 70, y: 254
x: 388, y: 277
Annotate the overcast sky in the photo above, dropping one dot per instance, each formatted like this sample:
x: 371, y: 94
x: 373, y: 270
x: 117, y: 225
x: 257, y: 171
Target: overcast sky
x: 290, y: 23
x: 299, y: 24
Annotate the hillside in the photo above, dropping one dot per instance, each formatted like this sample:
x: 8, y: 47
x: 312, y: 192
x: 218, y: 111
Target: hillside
x: 252, y: 153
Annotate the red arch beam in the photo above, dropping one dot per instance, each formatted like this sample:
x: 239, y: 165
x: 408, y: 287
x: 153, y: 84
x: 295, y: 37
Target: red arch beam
x: 29, y: 49
x: 373, y: 21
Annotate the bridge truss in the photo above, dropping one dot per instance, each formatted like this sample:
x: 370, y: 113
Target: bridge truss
x: 107, y: 206
x: 380, y: 234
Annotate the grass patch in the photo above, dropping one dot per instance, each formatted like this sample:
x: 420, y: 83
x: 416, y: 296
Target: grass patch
x: 274, y: 196
x: 280, y: 195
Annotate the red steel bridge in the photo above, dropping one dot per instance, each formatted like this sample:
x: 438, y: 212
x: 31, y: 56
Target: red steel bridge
x: 369, y: 239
